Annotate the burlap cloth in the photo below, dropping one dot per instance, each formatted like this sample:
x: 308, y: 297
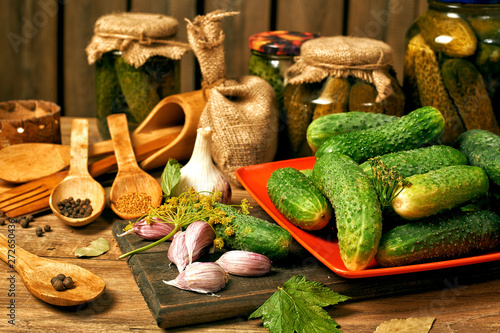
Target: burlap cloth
x: 342, y: 56
x: 138, y: 36
x: 242, y: 112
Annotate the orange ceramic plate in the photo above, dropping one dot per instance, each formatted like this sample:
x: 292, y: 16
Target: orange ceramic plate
x: 323, y: 244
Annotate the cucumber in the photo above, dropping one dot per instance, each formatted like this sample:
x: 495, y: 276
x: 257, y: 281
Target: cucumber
x: 254, y: 234
x: 324, y: 127
x: 298, y: 199
x: 445, y: 236
x: 356, y: 206
x: 440, y: 190
x: 482, y: 149
x: 420, y: 160
x: 411, y: 131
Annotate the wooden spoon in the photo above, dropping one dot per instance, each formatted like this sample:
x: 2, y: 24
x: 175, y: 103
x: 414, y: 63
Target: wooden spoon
x: 130, y: 179
x: 78, y: 183
x: 36, y: 273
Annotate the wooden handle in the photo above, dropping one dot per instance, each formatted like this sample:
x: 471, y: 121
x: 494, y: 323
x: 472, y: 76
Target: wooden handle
x: 79, y: 148
x: 11, y: 253
x: 118, y: 128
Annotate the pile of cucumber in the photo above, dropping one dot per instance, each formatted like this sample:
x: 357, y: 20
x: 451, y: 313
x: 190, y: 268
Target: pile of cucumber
x: 444, y: 210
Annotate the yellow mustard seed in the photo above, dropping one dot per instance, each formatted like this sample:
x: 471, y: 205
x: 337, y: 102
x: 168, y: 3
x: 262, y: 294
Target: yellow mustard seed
x: 133, y: 203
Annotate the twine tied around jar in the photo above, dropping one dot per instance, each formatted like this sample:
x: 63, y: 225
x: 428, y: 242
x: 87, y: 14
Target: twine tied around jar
x: 138, y: 36
x: 341, y: 56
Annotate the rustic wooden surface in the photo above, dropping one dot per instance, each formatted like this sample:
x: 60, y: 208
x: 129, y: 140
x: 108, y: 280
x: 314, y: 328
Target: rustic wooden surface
x: 43, y: 41
x: 459, y: 304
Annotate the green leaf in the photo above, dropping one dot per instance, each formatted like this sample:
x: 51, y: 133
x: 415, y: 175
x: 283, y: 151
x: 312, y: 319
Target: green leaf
x: 170, y: 176
x: 297, y: 306
x: 96, y: 248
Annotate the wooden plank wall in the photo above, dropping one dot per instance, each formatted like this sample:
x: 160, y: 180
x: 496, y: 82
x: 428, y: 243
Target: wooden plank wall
x: 42, y: 45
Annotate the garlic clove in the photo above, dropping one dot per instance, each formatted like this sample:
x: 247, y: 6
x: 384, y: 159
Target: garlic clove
x: 200, y: 172
x: 177, y: 252
x: 201, y: 277
x: 199, y: 235
x: 153, y: 230
x: 245, y: 263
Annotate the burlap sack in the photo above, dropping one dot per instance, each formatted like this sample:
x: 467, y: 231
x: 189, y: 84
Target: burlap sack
x: 342, y: 56
x: 243, y: 113
x: 138, y: 36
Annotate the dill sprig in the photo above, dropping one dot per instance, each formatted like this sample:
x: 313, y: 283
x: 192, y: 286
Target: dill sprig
x: 387, y: 181
x: 190, y: 206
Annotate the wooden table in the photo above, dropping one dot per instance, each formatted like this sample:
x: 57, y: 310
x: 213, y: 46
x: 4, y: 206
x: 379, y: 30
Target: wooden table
x: 467, y: 307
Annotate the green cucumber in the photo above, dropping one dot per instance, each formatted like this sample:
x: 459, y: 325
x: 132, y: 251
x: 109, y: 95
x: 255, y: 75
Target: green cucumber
x: 445, y: 236
x: 324, y: 127
x: 298, y: 199
x: 254, y: 234
x: 420, y: 160
x: 482, y: 148
x: 440, y: 190
x: 411, y: 131
x: 356, y: 206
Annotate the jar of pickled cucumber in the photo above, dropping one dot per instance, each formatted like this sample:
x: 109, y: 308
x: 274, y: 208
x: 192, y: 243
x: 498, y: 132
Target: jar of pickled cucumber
x: 334, y: 75
x: 452, y: 62
x: 272, y: 53
x: 137, y: 65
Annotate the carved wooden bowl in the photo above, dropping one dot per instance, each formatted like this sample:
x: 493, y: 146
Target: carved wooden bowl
x: 25, y: 121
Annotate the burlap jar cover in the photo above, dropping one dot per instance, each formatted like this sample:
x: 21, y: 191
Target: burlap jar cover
x: 138, y: 36
x: 243, y: 112
x: 342, y: 56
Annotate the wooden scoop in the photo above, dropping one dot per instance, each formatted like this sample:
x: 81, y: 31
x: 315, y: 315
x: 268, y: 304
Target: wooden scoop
x: 130, y: 179
x: 36, y: 273
x: 78, y: 183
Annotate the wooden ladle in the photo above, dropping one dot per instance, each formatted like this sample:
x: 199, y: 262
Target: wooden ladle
x: 36, y: 273
x: 78, y: 183
x: 130, y: 180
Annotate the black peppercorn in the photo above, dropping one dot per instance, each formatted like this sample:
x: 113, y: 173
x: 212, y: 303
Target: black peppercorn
x: 46, y: 228
x: 58, y: 285
x: 39, y: 231
x: 61, y: 276
x: 24, y: 223
x: 29, y: 217
x: 68, y: 282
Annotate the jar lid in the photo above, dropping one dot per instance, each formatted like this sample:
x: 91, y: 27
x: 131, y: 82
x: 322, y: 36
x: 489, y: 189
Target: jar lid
x: 138, y: 36
x: 279, y: 42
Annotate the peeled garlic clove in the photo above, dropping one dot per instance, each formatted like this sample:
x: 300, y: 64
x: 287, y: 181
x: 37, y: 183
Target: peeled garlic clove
x: 153, y: 230
x: 245, y: 263
x: 199, y: 235
x: 177, y: 252
x: 201, y: 277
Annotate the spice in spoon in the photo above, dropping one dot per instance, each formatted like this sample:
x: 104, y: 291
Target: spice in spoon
x: 133, y: 203
x: 75, y: 208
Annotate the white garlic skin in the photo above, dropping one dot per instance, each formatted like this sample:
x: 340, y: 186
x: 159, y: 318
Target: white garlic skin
x: 245, y: 263
x: 177, y: 252
x: 199, y: 235
x: 201, y: 277
x: 200, y: 172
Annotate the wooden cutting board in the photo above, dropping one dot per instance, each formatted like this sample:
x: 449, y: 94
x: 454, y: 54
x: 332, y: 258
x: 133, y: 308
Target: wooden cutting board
x: 172, y: 307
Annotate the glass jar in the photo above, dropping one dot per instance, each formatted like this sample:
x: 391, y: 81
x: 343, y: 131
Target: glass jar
x: 452, y: 62
x: 272, y: 53
x: 334, y: 75
x: 122, y: 88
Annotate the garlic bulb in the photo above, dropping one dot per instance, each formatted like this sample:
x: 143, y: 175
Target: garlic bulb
x: 200, y: 172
